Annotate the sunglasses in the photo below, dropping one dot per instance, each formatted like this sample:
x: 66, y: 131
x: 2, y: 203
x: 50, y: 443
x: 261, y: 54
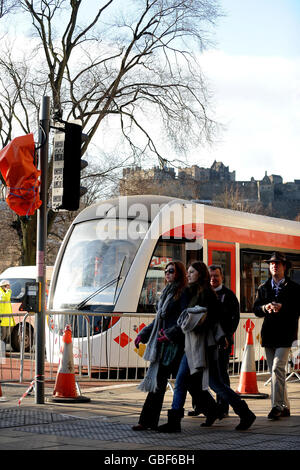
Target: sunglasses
x: 170, y: 271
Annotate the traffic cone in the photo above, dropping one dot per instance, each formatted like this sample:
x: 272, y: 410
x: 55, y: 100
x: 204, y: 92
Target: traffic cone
x: 248, y: 384
x: 65, y: 389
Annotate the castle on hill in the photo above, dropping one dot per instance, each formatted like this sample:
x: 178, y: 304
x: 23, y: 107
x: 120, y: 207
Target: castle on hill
x: 208, y: 185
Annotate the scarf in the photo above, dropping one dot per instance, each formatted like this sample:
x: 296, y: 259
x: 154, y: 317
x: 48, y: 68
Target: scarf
x: 152, y: 352
x: 277, y: 286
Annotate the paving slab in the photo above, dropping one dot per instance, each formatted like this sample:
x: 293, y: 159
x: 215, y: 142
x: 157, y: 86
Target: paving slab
x: 105, y: 424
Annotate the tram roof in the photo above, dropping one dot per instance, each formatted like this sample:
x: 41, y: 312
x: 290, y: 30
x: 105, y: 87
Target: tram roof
x: 152, y: 204
x: 212, y: 215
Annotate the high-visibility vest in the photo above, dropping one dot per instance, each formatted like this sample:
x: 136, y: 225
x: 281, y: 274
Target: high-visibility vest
x: 5, y: 307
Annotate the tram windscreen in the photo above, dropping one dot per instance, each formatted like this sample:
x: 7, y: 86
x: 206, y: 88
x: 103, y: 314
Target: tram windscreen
x: 94, y: 265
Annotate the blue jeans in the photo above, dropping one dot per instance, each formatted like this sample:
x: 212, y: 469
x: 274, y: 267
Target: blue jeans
x: 215, y: 382
x: 181, y: 384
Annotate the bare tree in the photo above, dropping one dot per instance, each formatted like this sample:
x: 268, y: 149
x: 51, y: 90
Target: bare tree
x: 232, y: 198
x: 8, y: 6
x: 10, y: 251
x: 131, y: 65
x: 142, y: 62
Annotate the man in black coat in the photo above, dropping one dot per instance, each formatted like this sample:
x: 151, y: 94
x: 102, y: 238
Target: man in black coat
x: 278, y: 302
x: 229, y: 319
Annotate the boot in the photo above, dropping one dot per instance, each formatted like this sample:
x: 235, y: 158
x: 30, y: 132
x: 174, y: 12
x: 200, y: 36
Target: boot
x: 195, y: 412
x: 173, y: 424
x: 209, y: 407
x: 214, y: 413
x: 246, y: 416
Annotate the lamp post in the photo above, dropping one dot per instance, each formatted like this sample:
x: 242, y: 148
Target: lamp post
x: 40, y: 251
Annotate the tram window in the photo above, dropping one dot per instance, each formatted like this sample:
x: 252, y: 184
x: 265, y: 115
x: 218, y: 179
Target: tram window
x: 223, y: 259
x: 165, y: 251
x: 295, y: 273
x: 254, y: 271
x: 194, y: 252
x: 94, y: 267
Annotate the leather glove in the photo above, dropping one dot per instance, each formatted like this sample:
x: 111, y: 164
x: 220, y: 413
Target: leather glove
x: 162, y: 338
x: 137, y: 341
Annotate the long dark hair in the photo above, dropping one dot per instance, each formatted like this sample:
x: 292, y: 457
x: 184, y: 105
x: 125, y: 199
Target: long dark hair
x: 204, y: 277
x: 180, y: 276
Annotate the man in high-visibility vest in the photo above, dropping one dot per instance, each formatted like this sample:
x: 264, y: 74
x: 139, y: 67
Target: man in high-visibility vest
x: 5, y: 307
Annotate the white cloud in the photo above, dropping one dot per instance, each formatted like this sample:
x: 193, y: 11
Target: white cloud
x: 258, y: 100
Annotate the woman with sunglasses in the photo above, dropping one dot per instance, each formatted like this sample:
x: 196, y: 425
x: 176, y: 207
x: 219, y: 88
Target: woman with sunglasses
x: 165, y: 345
x: 199, y: 365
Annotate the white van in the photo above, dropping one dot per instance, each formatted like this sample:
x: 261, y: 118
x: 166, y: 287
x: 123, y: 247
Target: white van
x: 18, y: 276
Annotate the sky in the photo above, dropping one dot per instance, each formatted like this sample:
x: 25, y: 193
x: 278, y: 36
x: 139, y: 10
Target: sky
x: 254, y: 73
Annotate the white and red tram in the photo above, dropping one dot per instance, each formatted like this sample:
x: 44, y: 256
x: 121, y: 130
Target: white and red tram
x: 111, y: 266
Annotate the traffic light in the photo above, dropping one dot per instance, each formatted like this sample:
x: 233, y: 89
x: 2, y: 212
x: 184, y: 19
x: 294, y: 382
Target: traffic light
x: 67, y: 165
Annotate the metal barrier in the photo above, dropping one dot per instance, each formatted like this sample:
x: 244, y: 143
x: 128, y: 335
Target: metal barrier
x: 108, y: 352
x: 18, y: 347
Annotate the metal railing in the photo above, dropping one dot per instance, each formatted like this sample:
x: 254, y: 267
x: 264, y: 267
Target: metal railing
x: 18, y: 345
x: 109, y: 354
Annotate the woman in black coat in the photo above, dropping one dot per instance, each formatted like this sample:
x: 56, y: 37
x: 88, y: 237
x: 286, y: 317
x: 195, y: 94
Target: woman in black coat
x: 201, y: 355
x: 165, y: 345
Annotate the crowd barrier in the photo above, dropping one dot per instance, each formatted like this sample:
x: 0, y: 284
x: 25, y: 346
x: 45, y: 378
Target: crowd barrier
x: 109, y: 354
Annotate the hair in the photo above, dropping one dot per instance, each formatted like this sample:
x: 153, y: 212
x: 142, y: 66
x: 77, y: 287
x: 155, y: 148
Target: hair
x: 180, y: 275
x: 204, y: 277
x: 214, y: 267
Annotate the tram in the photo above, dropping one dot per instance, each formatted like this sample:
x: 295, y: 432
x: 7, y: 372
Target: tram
x: 111, y: 266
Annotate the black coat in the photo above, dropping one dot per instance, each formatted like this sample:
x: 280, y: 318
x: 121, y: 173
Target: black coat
x: 206, y: 298
x: 169, y: 322
x: 230, y: 312
x: 279, y: 329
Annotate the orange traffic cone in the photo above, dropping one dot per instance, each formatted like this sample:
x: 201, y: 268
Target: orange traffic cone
x: 65, y: 389
x: 248, y: 384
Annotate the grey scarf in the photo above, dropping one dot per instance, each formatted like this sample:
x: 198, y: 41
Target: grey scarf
x: 152, y: 352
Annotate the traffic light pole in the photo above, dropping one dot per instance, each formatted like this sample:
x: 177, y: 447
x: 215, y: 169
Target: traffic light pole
x: 41, y: 250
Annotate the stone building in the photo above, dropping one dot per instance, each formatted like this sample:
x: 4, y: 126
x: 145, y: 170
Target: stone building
x: 270, y: 194
x: 217, y: 172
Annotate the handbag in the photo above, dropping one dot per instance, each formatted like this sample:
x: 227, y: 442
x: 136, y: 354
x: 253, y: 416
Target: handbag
x: 168, y: 353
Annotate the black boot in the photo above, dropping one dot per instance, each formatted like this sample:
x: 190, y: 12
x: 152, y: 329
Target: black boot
x: 173, y: 424
x: 195, y: 412
x: 246, y: 416
x: 209, y: 408
x: 213, y: 414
